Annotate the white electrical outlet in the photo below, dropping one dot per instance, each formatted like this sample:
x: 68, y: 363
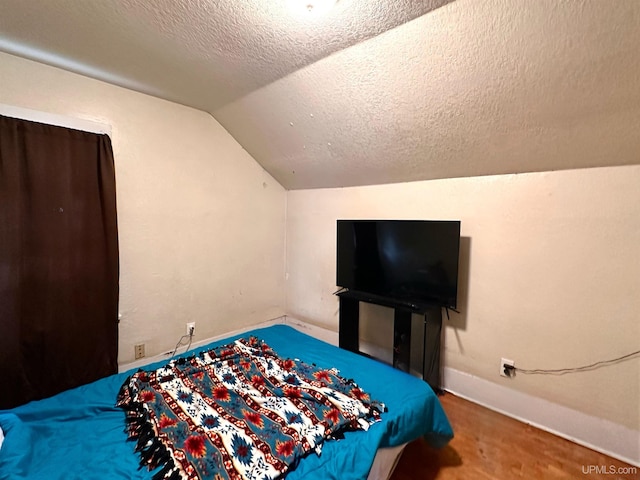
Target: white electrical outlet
x: 503, y: 362
x: 191, y: 328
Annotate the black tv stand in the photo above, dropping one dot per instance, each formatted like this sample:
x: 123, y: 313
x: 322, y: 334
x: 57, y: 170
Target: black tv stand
x: 349, y: 330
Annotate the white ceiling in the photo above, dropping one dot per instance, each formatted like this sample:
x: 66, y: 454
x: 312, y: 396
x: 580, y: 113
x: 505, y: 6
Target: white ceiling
x: 372, y: 91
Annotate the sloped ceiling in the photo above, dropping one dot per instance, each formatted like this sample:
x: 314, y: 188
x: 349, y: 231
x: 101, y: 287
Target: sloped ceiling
x: 370, y: 91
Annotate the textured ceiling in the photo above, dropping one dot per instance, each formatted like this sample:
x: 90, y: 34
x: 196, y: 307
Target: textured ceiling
x: 372, y: 91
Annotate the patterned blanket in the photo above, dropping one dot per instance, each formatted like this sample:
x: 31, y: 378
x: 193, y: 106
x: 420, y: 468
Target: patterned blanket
x: 238, y: 412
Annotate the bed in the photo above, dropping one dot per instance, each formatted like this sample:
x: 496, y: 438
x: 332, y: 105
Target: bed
x: 80, y: 433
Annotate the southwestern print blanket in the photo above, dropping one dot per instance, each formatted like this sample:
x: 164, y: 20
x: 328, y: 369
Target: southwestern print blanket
x: 238, y: 412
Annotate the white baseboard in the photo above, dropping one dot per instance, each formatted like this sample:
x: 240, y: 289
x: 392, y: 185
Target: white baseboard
x: 595, y: 433
x: 326, y: 335
x: 164, y: 356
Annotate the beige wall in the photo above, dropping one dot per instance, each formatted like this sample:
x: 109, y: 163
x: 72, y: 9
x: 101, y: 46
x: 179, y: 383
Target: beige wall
x: 201, y: 224
x: 550, y: 275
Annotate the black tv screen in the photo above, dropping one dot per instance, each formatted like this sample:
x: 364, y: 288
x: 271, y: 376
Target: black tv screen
x: 404, y: 260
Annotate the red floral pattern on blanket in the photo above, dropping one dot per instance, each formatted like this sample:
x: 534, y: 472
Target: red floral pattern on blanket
x: 238, y: 412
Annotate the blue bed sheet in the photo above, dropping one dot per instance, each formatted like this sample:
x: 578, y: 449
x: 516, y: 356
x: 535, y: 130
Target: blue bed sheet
x: 80, y: 433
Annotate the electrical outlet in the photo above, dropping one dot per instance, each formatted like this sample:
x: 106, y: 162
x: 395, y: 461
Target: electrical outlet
x: 191, y: 328
x: 503, y: 371
x: 139, y: 350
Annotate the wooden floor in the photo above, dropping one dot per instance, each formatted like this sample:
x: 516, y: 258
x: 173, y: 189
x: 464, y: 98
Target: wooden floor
x: 488, y: 445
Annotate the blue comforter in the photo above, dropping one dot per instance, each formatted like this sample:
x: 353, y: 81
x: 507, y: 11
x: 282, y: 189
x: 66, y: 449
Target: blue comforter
x: 80, y: 433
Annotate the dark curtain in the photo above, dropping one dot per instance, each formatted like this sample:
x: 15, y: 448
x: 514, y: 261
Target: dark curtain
x: 58, y: 260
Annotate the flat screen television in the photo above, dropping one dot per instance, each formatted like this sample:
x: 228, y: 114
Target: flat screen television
x: 409, y: 261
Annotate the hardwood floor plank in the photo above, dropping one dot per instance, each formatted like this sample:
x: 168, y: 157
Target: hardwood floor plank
x: 488, y: 445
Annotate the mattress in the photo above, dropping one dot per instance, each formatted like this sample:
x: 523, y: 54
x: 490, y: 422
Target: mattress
x: 80, y: 433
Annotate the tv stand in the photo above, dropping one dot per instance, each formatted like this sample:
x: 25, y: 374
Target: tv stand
x: 349, y: 331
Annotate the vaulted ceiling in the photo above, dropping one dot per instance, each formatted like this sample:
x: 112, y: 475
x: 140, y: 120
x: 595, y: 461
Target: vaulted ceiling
x: 369, y: 91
